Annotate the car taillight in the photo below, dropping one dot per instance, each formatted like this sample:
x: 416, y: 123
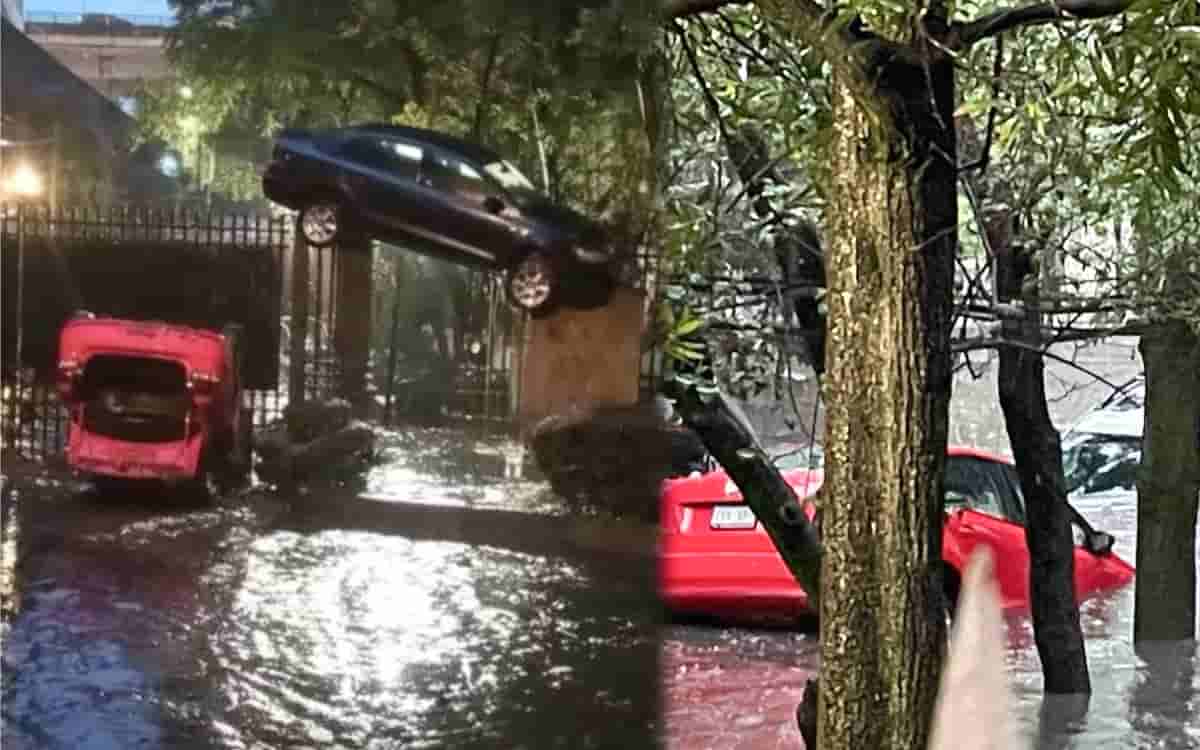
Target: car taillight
x: 68, y: 378
x: 202, y: 384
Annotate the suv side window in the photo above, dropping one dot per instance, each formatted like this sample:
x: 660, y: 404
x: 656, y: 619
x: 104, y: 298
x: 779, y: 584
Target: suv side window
x: 404, y: 159
x: 397, y: 157
x: 458, y: 178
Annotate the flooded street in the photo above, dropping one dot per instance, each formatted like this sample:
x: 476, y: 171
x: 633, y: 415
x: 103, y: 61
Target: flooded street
x: 438, y: 600
x: 314, y: 621
x: 737, y: 688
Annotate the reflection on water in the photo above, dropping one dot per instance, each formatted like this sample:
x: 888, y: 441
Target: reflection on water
x: 386, y: 642
x: 444, y: 467
x: 271, y: 622
x: 716, y: 680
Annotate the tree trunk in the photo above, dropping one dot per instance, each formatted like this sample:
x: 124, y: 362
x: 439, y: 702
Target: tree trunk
x: 1168, y: 486
x: 298, y: 326
x: 393, y: 334
x: 1038, y: 455
x: 1037, y: 452
x: 889, y: 261
x: 730, y: 441
x: 352, y: 324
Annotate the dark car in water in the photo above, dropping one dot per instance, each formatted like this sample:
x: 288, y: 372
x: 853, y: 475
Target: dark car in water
x: 445, y: 197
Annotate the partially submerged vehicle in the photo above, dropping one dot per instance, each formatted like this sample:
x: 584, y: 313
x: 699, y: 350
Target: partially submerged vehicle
x: 1103, y: 450
x: 153, y: 401
x: 716, y: 560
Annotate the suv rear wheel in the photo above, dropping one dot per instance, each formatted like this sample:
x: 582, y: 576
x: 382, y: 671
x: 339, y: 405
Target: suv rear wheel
x: 532, y: 285
x: 321, y: 221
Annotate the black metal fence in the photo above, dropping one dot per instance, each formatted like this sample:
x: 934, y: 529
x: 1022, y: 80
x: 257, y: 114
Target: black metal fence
x: 206, y: 270
x: 185, y: 267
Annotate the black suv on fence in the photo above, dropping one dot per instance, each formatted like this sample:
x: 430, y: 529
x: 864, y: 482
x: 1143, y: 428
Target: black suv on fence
x: 441, y: 196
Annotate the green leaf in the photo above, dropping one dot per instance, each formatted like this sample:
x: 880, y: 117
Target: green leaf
x: 688, y: 326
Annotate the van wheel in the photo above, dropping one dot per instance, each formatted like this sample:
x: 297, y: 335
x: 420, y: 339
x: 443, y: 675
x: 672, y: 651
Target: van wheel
x: 203, y: 488
x: 532, y: 285
x: 321, y: 222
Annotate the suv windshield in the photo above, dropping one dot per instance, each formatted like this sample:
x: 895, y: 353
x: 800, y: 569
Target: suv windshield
x: 513, y: 181
x: 1099, y: 463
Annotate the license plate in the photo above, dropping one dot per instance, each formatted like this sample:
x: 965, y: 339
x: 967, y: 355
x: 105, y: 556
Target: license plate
x: 733, y: 517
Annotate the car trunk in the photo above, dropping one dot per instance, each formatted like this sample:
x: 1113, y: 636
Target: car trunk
x: 712, y: 505
x: 135, y: 398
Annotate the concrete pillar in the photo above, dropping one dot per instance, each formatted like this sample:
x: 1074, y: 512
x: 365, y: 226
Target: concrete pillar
x: 579, y: 359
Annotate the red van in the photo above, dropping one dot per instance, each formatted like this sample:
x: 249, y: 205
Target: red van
x: 153, y: 401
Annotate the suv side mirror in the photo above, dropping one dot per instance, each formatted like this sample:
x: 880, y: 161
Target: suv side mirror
x: 493, y: 205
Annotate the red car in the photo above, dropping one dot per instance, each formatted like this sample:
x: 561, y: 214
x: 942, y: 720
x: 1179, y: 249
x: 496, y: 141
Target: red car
x: 151, y: 401
x: 716, y: 560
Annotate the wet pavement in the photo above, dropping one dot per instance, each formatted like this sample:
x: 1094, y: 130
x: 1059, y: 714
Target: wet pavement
x: 317, y: 621
x: 733, y: 688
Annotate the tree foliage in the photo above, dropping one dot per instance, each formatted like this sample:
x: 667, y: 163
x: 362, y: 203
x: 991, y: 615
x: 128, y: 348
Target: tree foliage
x: 1002, y: 100
x: 551, y: 85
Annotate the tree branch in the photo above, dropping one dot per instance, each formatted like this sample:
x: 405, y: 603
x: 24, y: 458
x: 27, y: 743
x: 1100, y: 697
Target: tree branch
x: 992, y: 343
x: 964, y: 35
x: 671, y: 9
x: 997, y: 71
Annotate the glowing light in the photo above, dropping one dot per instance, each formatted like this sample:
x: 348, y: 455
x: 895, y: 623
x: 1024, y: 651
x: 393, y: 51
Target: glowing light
x: 168, y: 164
x: 24, y: 181
x: 185, y: 92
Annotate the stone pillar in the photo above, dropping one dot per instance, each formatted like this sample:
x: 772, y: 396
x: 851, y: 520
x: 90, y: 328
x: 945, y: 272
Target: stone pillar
x: 577, y: 360
x: 352, y: 320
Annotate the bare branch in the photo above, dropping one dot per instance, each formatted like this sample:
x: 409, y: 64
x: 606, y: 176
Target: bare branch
x: 963, y: 35
x: 714, y: 107
x: 993, y: 343
x: 997, y: 72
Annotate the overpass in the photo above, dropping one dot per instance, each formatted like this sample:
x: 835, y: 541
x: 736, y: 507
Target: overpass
x: 113, y: 53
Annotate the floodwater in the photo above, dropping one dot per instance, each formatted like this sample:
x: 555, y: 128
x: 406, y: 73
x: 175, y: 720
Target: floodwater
x: 737, y: 689
x: 316, y: 621
x: 412, y: 606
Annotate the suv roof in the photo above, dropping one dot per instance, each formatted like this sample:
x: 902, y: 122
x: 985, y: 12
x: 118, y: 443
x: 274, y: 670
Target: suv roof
x: 442, y: 140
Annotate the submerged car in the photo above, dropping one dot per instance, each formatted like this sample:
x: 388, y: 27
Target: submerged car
x: 716, y: 560
x: 152, y: 401
x: 1103, y: 450
x: 445, y: 197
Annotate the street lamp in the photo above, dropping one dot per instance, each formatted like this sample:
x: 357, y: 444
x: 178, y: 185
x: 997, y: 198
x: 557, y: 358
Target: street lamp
x: 25, y: 183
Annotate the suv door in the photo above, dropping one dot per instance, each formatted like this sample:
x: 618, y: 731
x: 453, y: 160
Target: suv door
x: 473, y: 211
x: 381, y: 175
